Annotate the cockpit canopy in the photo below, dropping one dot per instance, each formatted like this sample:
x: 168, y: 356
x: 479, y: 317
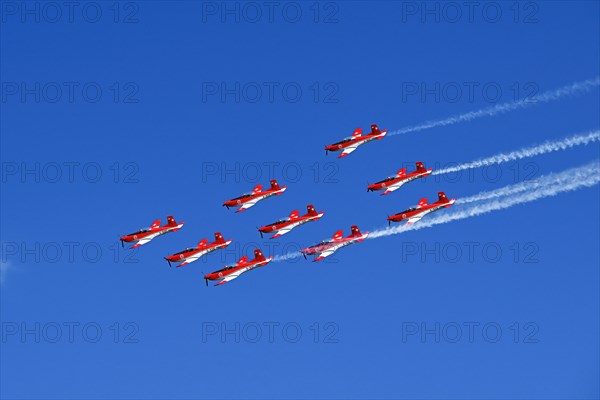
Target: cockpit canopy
x: 281, y: 221
x: 408, y: 210
x: 227, y: 268
x: 389, y: 178
x: 243, y: 196
x: 321, y: 243
x: 343, y: 141
x: 140, y: 231
x: 186, y: 250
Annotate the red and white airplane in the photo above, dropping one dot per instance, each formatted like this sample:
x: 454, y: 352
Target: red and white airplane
x: 328, y: 247
x: 249, y: 199
x: 392, y: 183
x: 350, y: 144
x: 283, y: 226
x: 231, y: 272
x: 414, y: 214
x: 193, y: 253
x: 143, y: 236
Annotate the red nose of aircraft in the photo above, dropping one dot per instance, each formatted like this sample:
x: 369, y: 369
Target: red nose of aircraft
x: 266, y: 229
x: 395, y: 218
x: 230, y: 203
x: 212, y: 276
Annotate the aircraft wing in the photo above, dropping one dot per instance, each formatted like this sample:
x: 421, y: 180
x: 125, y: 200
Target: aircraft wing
x: 414, y: 219
x: 248, y: 204
x: 141, y: 242
x: 282, y: 231
x: 325, y: 253
x: 349, y: 149
x: 191, y: 259
x: 231, y: 277
x: 393, y: 187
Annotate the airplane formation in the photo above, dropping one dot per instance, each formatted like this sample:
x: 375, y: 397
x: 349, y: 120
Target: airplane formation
x: 281, y: 227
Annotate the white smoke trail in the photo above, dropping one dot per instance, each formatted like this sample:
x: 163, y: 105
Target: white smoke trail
x: 551, y: 95
x: 287, y: 256
x: 546, y: 186
x: 546, y: 147
x: 560, y: 178
x: 579, y: 180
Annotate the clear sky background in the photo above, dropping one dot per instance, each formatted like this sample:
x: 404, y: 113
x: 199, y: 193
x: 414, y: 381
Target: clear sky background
x: 168, y: 125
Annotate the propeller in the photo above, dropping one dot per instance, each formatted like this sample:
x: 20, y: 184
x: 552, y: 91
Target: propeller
x: 225, y: 205
x: 122, y: 244
x: 259, y: 231
x: 326, y: 152
x: 389, y: 222
x: 304, y: 256
x: 169, y: 261
x: 206, y: 280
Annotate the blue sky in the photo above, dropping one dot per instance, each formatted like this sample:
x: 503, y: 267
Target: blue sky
x: 155, y: 110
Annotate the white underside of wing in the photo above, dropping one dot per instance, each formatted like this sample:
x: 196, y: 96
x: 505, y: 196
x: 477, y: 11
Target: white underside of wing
x: 414, y: 219
x: 193, y: 258
x: 394, y: 187
x: 144, y: 240
x: 285, y: 230
x: 328, y: 252
x: 232, y: 276
x: 350, y: 149
x: 250, y: 203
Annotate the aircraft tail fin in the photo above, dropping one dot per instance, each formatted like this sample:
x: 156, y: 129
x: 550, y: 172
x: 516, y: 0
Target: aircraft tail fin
x: 442, y: 197
x: 258, y: 255
x: 357, y: 132
x: 401, y: 172
x: 420, y: 167
x: 422, y: 202
x: 338, y: 235
x: 242, y: 260
x: 375, y: 129
x: 202, y: 243
x: 257, y: 188
x: 171, y: 221
x: 355, y: 231
x: 219, y: 238
x: 155, y: 224
x: 274, y: 185
x: 294, y: 214
x: 311, y: 210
